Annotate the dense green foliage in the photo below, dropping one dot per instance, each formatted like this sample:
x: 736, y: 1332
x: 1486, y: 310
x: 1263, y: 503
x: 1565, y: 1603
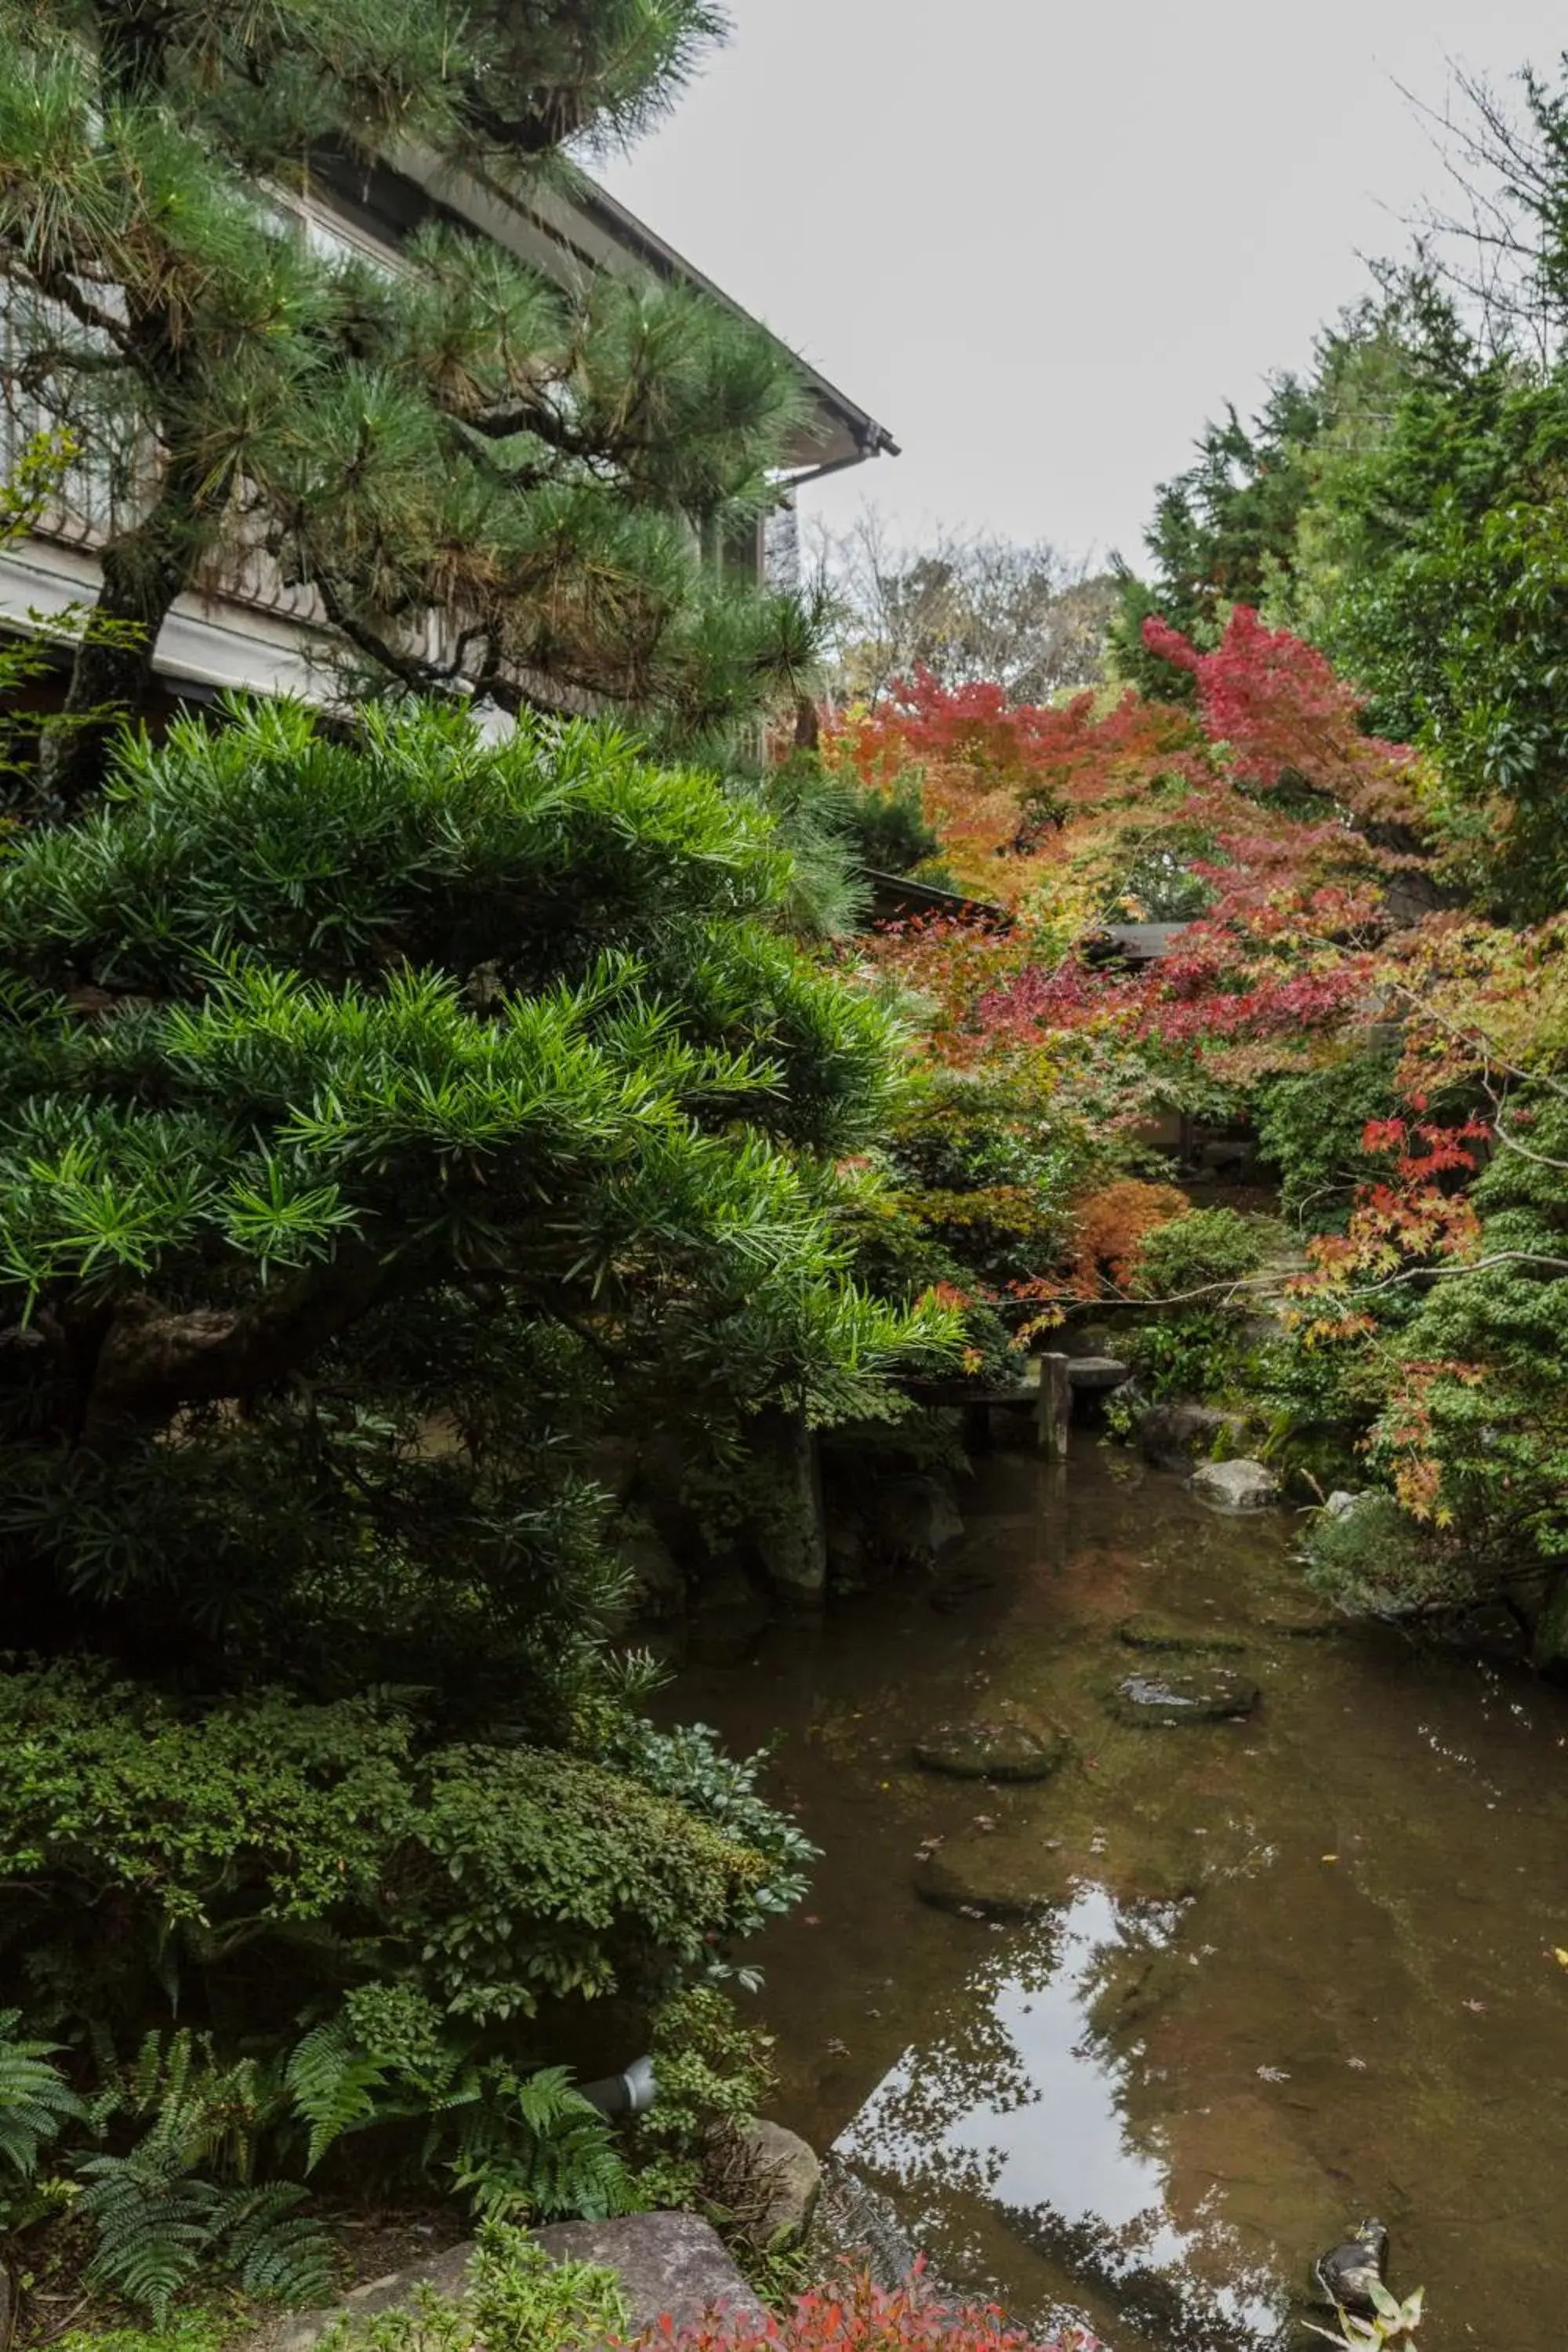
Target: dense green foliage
x: 254, y: 1854
x: 394, y: 1118
x: 1309, y: 1129
x: 1224, y: 530
x: 1205, y: 1250
x: 1490, y: 1346
x: 387, y: 1117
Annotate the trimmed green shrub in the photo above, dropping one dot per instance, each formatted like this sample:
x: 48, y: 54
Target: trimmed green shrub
x: 1202, y: 1251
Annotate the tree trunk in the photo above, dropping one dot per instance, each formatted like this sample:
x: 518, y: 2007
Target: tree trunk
x: 145, y: 569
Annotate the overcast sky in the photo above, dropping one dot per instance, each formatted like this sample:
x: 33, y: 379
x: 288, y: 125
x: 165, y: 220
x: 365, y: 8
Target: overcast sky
x: 1041, y: 242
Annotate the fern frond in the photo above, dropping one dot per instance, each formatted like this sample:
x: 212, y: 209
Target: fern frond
x: 535, y: 2147
x: 546, y: 2100
x: 333, y: 2082
x: 34, y: 2097
x: 154, y: 2224
x: 276, y: 2251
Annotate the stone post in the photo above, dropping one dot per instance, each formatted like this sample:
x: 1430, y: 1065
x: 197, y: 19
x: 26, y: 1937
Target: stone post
x: 1055, y: 1408
x: 791, y: 1534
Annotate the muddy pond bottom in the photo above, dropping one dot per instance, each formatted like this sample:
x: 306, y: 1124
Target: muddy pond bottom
x: 1127, y: 2039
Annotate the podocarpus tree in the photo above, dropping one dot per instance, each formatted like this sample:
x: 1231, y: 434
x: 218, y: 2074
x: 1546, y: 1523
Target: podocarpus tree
x: 383, y: 1116
x: 451, y: 435
x: 352, y: 1085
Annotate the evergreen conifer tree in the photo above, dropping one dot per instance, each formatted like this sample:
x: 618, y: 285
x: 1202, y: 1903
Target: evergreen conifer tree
x: 450, y: 435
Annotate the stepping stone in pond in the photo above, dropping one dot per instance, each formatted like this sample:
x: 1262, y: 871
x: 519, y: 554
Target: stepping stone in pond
x: 1161, y: 1702
x: 975, y: 1887
x: 1006, y: 1746
x: 969, y: 1878
x: 1302, y: 1622
x: 1150, y: 1631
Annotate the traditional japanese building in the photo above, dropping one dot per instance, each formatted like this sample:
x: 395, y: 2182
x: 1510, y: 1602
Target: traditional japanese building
x: 246, y: 626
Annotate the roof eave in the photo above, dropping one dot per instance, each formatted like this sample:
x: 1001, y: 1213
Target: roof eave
x: 581, y: 230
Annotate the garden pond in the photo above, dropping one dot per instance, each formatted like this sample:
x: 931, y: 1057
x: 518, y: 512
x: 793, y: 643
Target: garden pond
x: 1130, y: 2044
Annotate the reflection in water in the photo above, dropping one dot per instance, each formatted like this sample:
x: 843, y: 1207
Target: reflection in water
x: 1022, y: 2103
x: 1276, y: 1975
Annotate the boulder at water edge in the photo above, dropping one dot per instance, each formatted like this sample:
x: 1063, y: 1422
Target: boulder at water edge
x: 1236, y: 1486
x: 1348, y: 2274
x: 673, y: 2263
x: 790, y: 2177
x: 1173, y: 1436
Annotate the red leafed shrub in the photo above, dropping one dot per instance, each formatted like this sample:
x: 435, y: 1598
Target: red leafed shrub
x: 855, y: 2315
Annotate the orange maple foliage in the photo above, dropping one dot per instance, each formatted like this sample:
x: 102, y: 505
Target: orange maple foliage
x: 1109, y: 1225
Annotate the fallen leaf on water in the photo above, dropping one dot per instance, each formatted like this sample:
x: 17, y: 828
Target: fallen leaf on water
x: 812, y: 1919
x: 1329, y: 1857
x: 1272, y: 2074
x: 1479, y: 2006
x: 1560, y: 1955
x: 836, y: 2049
x: 1359, y: 2064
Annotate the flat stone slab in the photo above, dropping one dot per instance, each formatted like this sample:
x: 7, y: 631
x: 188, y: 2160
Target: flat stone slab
x: 1236, y: 1486
x: 1095, y: 1374
x: 1007, y: 1746
x: 297, y: 2331
x: 1157, y: 1701
x: 665, y: 2263
x: 1173, y: 1636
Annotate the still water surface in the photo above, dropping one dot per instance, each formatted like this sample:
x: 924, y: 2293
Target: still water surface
x: 1291, y: 1971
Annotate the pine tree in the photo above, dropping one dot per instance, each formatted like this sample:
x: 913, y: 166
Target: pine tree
x: 452, y: 435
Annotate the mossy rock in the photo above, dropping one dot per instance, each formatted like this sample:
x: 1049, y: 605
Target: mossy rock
x: 1150, y: 1631
x: 992, y: 1878
x: 1167, y: 1701
x: 979, y: 1886
x: 1005, y: 1746
x: 1304, y: 1621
